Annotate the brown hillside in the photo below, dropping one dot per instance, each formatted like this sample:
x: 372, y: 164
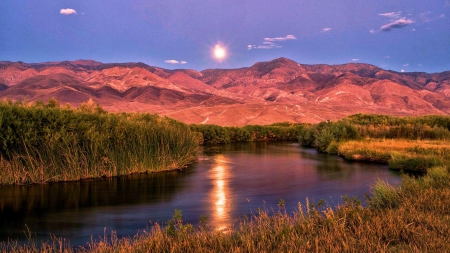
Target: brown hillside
x: 267, y: 92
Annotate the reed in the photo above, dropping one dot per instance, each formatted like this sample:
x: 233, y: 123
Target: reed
x: 46, y: 143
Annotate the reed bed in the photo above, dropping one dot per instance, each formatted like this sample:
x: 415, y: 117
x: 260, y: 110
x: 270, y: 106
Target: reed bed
x: 42, y: 143
x: 412, y: 217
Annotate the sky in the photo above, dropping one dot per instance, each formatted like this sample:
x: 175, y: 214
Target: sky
x: 400, y: 35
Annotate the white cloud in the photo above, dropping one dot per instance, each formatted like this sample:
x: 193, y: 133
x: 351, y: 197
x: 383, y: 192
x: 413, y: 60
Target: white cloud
x: 402, y: 70
x: 67, y: 11
x: 249, y: 47
x: 355, y: 59
x: 269, y: 43
x: 175, y: 62
x: 406, y: 65
x: 288, y: 37
x: 396, y: 24
x: 326, y: 29
x: 392, y: 15
x: 171, y: 61
x: 396, y: 21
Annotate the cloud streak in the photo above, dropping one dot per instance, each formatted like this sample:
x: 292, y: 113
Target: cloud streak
x: 270, y: 43
x: 396, y: 21
x: 288, y: 37
x: 175, y: 62
x: 396, y: 24
x: 67, y: 11
x: 393, y: 15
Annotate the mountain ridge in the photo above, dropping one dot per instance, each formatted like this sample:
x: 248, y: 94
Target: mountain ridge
x: 264, y: 93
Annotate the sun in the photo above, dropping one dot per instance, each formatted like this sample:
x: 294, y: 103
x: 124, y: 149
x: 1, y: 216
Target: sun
x: 219, y: 52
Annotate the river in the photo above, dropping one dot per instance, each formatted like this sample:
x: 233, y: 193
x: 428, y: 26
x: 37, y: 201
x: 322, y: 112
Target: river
x: 226, y: 183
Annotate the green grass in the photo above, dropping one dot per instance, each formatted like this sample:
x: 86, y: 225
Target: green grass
x: 46, y: 143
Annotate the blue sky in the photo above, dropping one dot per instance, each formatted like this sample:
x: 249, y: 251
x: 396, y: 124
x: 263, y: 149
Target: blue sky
x: 408, y: 35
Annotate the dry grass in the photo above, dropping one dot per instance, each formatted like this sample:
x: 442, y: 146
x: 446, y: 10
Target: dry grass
x: 408, y: 155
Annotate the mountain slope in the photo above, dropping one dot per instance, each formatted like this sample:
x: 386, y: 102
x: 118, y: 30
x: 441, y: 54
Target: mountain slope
x: 267, y: 92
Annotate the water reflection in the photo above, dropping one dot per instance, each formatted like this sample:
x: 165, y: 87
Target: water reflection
x: 65, y: 208
x: 220, y: 194
x: 227, y: 182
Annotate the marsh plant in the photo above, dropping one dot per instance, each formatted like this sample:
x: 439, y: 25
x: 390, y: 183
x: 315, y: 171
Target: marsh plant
x: 45, y: 142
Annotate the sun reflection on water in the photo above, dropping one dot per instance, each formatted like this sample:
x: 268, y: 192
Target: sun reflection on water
x: 220, y: 193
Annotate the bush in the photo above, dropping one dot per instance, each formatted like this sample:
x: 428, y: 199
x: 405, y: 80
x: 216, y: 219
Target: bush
x: 213, y: 134
x: 414, y: 164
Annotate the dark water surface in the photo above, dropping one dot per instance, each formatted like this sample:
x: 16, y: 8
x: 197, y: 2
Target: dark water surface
x: 226, y: 183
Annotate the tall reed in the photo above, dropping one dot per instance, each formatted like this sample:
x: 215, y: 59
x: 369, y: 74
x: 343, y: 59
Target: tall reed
x: 47, y: 143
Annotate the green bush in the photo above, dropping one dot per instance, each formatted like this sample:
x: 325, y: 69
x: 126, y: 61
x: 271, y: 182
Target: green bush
x: 213, y: 134
x: 414, y: 164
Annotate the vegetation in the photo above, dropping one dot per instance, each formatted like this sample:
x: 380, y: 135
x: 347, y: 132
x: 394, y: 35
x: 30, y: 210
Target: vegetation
x: 408, y: 144
x: 406, y: 155
x: 412, y: 217
x: 213, y: 134
x: 45, y: 142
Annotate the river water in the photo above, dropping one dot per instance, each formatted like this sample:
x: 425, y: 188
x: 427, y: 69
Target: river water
x: 226, y: 183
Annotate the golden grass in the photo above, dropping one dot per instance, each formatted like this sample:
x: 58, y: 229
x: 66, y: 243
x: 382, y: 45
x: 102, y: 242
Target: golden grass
x: 412, y: 155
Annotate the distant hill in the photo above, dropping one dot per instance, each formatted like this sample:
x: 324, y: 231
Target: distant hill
x: 267, y: 92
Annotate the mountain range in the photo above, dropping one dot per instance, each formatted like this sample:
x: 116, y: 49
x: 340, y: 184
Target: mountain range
x: 267, y: 92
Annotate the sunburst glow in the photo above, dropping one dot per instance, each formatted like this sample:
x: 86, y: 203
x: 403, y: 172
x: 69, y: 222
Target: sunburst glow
x: 219, y: 52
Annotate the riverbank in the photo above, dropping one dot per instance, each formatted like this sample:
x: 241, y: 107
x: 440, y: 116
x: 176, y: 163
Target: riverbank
x: 413, y: 217
x: 410, y: 144
x: 399, y: 154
